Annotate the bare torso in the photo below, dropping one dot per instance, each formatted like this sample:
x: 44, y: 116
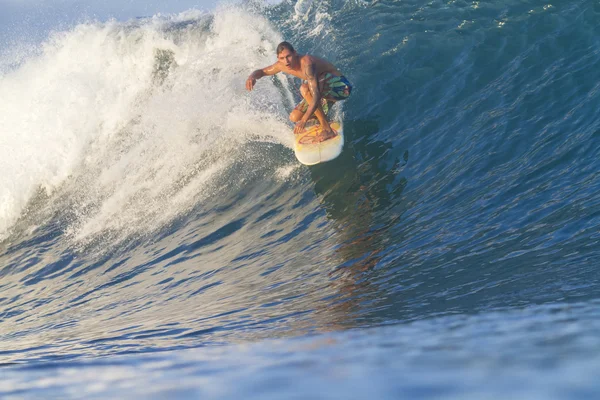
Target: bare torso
x: 322, y: 67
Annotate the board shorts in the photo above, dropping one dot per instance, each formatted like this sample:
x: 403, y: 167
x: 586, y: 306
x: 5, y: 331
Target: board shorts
x: 335, y: 88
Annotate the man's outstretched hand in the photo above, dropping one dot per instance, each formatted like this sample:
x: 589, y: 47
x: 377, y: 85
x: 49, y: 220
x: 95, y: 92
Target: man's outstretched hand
x: 250, y: 82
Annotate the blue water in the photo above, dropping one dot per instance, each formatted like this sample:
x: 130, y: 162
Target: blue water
x: 160, y: 240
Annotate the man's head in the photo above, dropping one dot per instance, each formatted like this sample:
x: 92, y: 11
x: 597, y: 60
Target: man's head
x: 286, y: 54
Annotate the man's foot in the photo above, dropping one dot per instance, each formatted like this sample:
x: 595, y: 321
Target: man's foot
x: 325, y: 135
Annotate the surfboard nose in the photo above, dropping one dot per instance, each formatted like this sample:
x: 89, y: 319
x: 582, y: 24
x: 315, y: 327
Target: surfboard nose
x: 311, y: 150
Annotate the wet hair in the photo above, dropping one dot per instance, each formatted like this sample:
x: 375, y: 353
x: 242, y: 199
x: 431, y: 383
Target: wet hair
x: 285, y: 45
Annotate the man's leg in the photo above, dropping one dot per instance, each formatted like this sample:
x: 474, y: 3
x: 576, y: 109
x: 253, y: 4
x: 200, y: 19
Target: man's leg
x: 298, y: 112
x: 305, y: 92
x: 296, y: 115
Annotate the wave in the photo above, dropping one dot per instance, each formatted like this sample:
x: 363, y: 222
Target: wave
x: 135, y: 120
x: 153, y: 204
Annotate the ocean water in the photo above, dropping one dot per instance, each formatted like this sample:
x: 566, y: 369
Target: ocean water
x: 158, y: 238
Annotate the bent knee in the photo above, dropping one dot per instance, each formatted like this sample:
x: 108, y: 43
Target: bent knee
x: 295, y: 116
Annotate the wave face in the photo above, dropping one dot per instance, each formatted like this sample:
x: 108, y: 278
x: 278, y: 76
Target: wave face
x: 149, y: 203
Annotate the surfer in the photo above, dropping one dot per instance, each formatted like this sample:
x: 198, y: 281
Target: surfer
x: 323, y: 85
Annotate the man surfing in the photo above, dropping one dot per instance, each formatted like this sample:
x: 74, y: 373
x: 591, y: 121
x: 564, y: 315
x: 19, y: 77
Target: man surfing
x: 323, y: 85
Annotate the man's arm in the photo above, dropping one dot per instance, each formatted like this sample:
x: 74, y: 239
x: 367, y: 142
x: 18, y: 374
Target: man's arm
x: 310, y: 71
x: 259, y: 73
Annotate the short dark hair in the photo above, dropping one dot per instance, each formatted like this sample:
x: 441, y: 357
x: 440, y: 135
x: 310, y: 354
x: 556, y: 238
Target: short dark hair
x: 285, y: 45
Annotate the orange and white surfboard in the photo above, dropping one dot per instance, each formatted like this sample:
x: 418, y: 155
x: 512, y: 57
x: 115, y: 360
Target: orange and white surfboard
x: 309, y: 148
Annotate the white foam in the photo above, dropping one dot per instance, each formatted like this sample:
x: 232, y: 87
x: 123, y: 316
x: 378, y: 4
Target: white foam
x: 302, y: 7
x: 89, y: 117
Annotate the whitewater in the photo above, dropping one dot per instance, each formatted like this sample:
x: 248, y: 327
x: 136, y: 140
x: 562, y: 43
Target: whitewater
x: 158, y: 238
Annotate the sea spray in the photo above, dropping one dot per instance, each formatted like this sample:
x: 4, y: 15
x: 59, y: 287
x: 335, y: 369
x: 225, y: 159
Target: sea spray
x: 119, y: 114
